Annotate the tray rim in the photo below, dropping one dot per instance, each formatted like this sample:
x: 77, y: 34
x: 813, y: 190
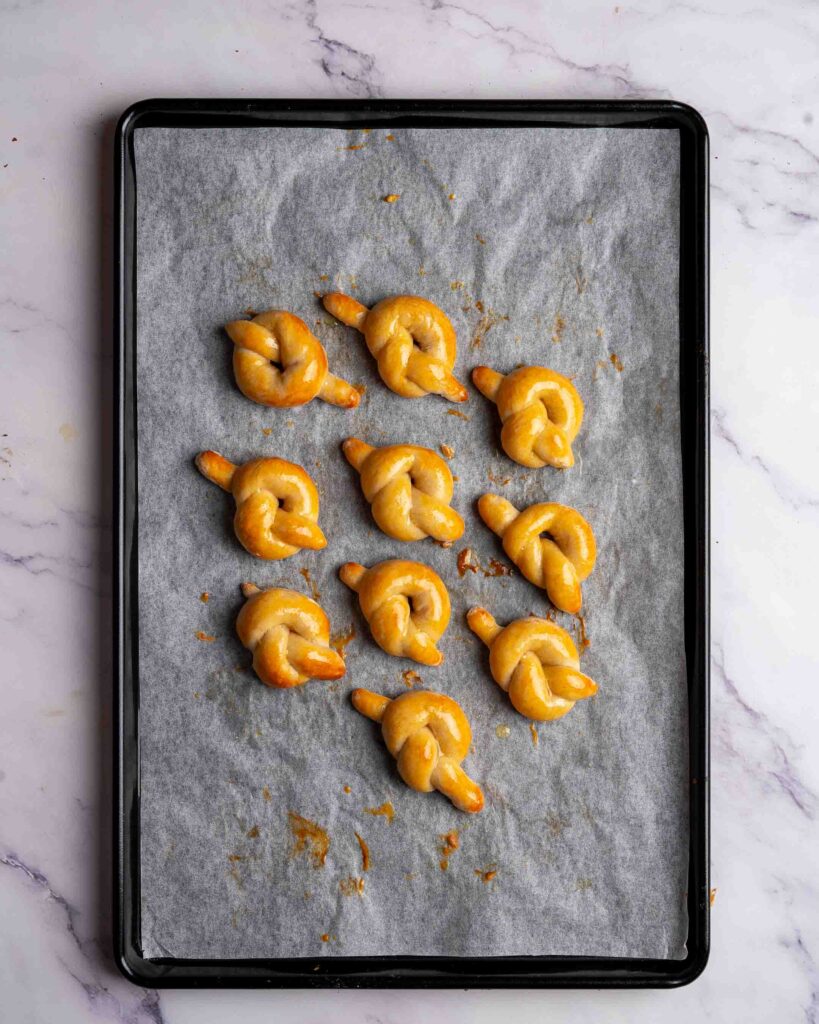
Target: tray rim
x: 420, y: 971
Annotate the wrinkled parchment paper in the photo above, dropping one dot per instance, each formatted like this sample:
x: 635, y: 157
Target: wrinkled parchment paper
x: 554, y: 247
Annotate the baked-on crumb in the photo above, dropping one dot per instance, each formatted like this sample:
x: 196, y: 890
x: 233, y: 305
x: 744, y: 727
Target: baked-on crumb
x: 467, y: 562
x: 449, y: 844
x: 308, y: 579
x: 309, y: 838
x: 447, y: 451
x: 410, y: 677
x: 393, y: 197
x: 386, y: 810
x: 351, y: 886
x: 489, y: 320
x: 365, y: 852
x: 340, y: 640
x: 205, y: 637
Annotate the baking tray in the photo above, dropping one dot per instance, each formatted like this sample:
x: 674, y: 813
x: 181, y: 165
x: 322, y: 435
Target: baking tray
x: 401, y: 971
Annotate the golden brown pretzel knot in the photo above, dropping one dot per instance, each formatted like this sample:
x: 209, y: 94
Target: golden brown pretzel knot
x: 541, y: 413
x: 411, y: 338
x: 278, y: 361
x: 406, y: 605
x: 277, y: 504
x: 551, y: 544
x: 428, y: 734
x: 289, y: 635
x: 535, y: 662
x: 409, y: 488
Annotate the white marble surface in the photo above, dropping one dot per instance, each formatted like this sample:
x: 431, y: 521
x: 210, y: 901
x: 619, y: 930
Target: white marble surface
x: 66, y: 70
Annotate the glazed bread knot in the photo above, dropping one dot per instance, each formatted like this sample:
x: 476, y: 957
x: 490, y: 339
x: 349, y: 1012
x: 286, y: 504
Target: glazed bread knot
x: 277, y: 504
x: 551, y: 544
x: 411, y: 338
x: 428, y: 734
x: 409, y: 488
x: 541, y: 413
x: 278, y: 361
x: 535, y: 662
x: 289, y: 637
x: 406, y: 605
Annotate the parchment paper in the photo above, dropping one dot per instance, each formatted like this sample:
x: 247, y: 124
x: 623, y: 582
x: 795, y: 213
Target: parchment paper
x: 554, y: 247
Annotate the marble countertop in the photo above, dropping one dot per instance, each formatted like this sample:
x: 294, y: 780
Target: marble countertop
x: 67, y: 69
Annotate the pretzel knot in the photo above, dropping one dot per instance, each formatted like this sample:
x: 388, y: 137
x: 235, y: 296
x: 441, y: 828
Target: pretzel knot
x: 406, y: 605
x: 289, y: 636
x: 552, y: 545
x: 278, y: 361
x: 428, y: 734
x: 277, y: 504
x: 409, y: 488
x: 411, y: 338
x: 535, y: 662
x: 541, y: 413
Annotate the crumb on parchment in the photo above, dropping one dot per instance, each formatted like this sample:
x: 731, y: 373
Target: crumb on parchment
x: 365, y: 852
x: 488, y: 874
x: 450, y: 842
x: 308, y: 837
x: 386, y: 810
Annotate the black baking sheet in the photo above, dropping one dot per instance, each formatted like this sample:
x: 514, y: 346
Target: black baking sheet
x: 543, y: 967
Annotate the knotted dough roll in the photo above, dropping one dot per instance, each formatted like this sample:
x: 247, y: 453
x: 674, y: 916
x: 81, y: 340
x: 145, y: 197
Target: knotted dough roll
x: 409, y: 488
x: 429, y: 736
x: 277, y: 504
x: 278, y: 361
x: 411, y: 338
x: 406, y: 605
x: 551, y: 544
x: 541, y: 413
x: 289, y: 637
x: 535, y: 662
